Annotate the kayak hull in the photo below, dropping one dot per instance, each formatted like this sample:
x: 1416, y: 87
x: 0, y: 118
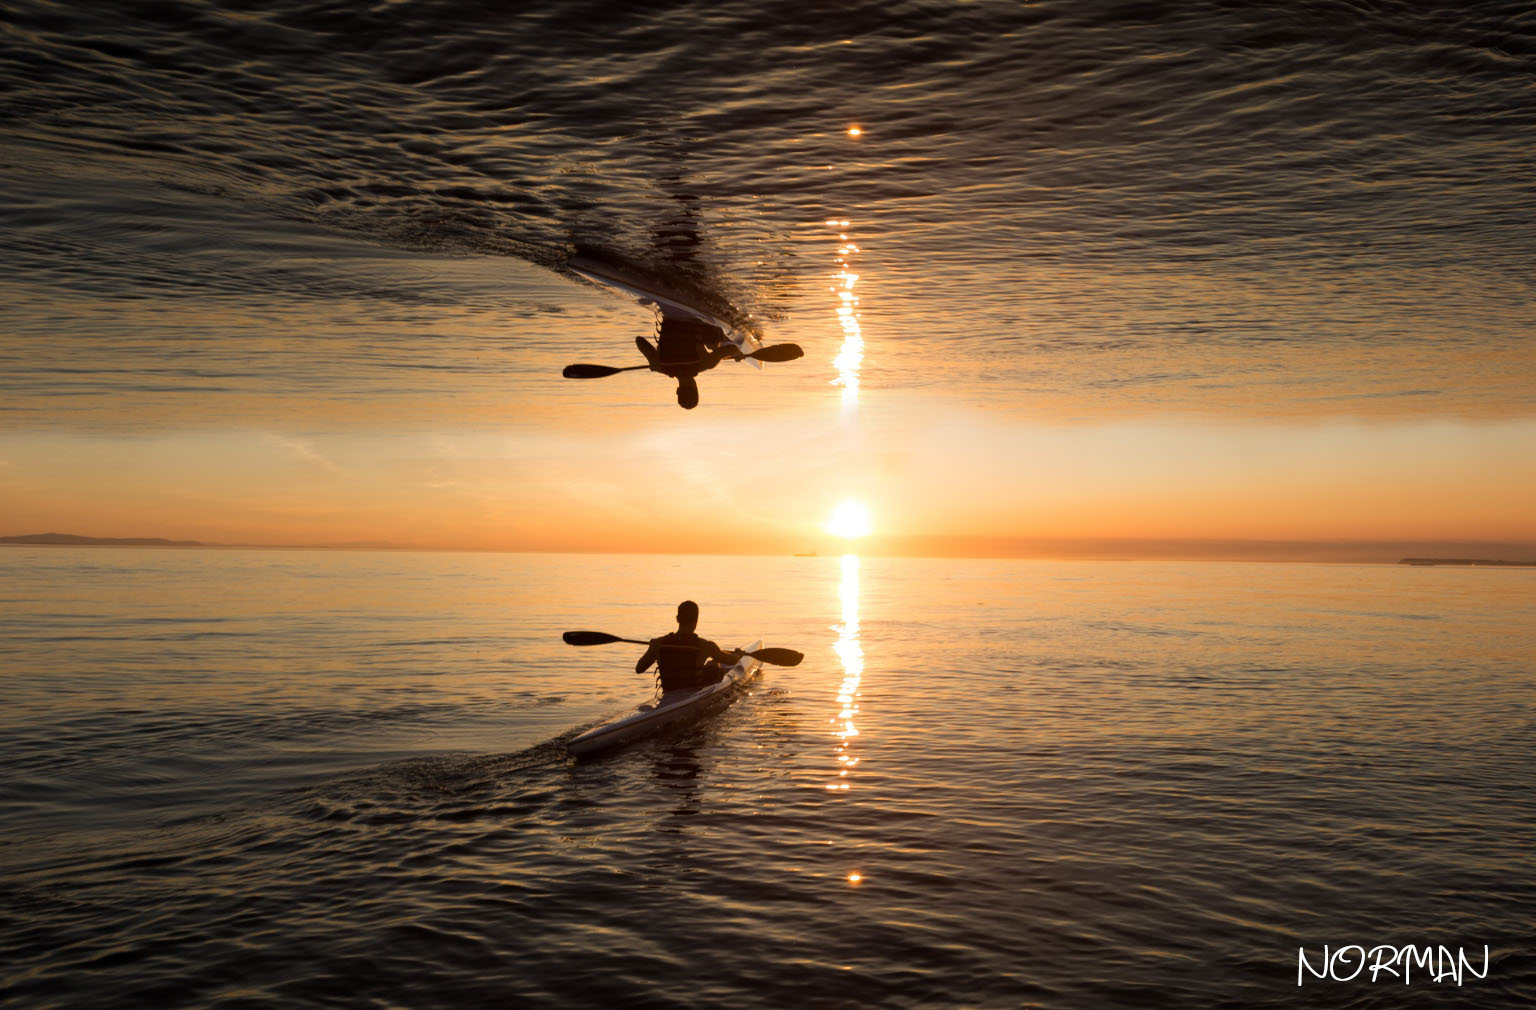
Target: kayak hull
x: 671, y: 709
x: 670, y: 308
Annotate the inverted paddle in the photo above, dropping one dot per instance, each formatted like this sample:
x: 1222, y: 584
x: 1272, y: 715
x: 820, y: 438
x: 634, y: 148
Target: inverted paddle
x: 776, y: 352
x: 773, y: 352
x: 596, y: 371
x: 775, y: 657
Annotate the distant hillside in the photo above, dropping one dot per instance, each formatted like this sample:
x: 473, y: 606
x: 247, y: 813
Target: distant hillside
x: 71, y: 540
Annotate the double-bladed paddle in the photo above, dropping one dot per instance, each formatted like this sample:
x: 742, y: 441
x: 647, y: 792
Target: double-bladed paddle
x: 777, y: 657
x: 773, y: 352
x: 776, y: 352
x: 596, y: 371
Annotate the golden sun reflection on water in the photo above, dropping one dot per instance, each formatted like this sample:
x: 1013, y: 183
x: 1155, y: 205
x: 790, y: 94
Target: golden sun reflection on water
x: 851, y: 654
x: 851, y: 355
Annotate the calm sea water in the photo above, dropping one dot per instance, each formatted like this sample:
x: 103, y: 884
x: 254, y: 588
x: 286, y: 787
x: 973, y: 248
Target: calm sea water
x: 256, y: 778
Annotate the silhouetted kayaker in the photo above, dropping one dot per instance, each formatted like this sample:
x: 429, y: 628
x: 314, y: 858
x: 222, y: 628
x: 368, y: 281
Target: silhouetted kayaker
x: 683, y: 658
x: 692, y: 340
x: 688, y: 347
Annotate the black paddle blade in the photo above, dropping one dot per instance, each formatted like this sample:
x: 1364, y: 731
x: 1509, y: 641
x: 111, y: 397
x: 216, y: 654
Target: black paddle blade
x: 589, y: 638
x: 777, y: 352
x: 589, y: 371
x: 778, y: 657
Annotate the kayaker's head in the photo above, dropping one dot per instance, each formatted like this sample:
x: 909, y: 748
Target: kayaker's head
x: 687, y: 392
x: 687, y: 616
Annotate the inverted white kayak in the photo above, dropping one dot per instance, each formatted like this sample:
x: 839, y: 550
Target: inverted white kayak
x: 615, y: 279
x: 671, y: 708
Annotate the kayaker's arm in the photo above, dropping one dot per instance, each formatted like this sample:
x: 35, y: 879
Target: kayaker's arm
x: 652, y: 356
x: 646, y: 660
x: 726, y: 349
x: 719, y: 655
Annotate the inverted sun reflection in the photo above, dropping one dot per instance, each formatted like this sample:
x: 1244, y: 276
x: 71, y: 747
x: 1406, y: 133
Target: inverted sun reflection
x: 850, y: 358
x: 851, y: 654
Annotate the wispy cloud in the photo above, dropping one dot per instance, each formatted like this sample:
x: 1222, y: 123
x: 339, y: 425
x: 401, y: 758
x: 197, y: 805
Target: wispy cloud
x: 307, y: 452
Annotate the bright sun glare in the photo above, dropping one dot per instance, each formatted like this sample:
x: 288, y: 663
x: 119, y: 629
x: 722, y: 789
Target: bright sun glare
x: 849, y: 519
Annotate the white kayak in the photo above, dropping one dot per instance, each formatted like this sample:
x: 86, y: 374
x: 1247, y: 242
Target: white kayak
x: 615, y: 279
x: 671, y: 708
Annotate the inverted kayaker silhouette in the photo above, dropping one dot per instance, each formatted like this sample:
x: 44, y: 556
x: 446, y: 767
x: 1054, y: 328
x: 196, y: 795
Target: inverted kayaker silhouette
x: 688, y: 347
x: 691, y: 340
x: 684, y: 659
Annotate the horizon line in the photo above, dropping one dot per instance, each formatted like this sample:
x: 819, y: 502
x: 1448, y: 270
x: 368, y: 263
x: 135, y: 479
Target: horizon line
x: 955, y: 546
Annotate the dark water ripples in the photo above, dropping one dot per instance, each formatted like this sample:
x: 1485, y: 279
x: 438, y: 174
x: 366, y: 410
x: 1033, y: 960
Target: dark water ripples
x: 1095, y: 816
x: 1193, y: 193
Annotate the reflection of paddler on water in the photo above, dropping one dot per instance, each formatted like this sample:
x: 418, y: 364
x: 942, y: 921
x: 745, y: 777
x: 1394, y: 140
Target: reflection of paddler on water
x: 690, y: 340
x: 687, y: 348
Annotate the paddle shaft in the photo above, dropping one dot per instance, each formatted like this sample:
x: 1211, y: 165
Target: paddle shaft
x: 776, y: 656
x: 584, y: 371
x: 774, y: 352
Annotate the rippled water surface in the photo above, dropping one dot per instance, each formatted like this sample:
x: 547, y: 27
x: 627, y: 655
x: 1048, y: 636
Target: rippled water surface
x: 1321, y: 205
x: 338, y: 779
x: 273, y: 778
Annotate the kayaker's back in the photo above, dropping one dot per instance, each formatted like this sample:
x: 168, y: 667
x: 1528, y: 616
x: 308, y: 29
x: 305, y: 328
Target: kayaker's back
x: 681, y: 665
x: 685, y: 341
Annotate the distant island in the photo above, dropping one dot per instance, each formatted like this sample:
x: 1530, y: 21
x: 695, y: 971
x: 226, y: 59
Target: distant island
x: 71, y: 540
x: 1482, y: 562
x: 75, y: 540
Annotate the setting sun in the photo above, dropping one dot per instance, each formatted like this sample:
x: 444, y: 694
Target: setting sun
x: 849, y: 519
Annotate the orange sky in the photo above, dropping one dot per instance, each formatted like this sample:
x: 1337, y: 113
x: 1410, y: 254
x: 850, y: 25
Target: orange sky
x: 319, y: 442
x: 931, y: 471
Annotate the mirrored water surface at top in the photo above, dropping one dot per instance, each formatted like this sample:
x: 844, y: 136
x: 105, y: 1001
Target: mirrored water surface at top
x: 1169, y: 207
